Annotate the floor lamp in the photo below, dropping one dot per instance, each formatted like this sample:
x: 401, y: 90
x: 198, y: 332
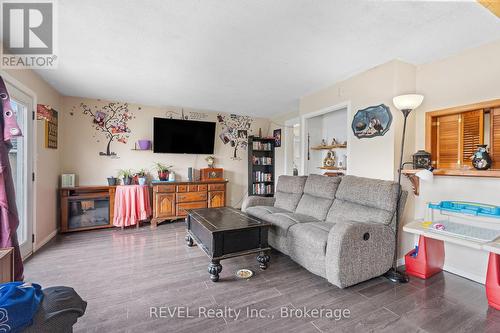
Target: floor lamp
x: 406, y: 104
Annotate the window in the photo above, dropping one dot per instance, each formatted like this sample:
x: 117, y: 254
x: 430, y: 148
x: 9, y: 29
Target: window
x: 452, y: 135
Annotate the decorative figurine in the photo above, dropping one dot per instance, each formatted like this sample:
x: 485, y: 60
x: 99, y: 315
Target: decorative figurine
x: 210, y: 161
x: 481, y: 160
x: 334, y: 142
x: 323, y: 142
x: 329, y: 160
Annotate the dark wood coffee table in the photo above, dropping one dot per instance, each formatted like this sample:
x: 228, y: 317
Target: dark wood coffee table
x: 226, y: 233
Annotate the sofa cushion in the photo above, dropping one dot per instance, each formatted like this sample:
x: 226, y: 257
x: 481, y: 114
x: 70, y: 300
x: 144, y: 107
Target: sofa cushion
x: 322, y: 186
x: 281, y: 222
x: 376, y: 193
x: 364, y: 200
x: 307, y: 245
x: 342, y: 210
x: 319, y: 192
x: 261, y: 211
x: 289, y: 191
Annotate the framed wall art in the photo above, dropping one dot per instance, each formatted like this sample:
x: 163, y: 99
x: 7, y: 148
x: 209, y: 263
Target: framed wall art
x: 372, y: 121
x: 47, y: 113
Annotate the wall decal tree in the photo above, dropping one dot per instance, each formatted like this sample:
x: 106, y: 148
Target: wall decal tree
x: 235, y: 131
x: 111, y: 121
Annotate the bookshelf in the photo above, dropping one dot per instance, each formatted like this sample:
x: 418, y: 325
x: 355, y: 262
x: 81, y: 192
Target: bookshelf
x: 261, y: 166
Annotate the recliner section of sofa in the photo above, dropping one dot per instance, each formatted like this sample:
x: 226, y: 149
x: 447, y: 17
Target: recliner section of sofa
x: 340, y: 228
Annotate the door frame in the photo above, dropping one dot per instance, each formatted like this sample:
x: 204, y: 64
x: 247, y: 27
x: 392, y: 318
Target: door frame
x: 31, y: 153
x: 289, y: 127
x: 303, y: 130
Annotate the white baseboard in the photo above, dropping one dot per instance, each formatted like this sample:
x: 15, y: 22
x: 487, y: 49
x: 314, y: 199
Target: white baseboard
x: 39, y: 244
x: 456, y: 271
x: 465, y: 274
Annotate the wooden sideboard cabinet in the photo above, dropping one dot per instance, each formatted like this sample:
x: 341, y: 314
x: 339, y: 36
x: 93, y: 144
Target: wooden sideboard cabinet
x: 171, y: 199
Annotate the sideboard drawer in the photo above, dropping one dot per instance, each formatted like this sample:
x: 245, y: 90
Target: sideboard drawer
x: 202, y: 187
x: 192, y: 188
x: 182, y: 188
x: 181, y: 207
x: 191, y: 196
x: 216, y: 187
x: 164, y: 188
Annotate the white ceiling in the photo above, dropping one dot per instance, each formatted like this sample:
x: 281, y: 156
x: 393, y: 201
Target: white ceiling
x: 255, y: 57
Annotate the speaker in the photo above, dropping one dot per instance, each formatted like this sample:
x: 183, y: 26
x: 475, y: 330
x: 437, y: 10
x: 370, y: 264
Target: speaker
x: 190, y: 174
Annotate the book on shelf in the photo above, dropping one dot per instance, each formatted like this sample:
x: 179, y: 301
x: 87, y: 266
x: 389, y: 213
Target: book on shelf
x: 262, y: 189
x: 257, y: 145
x: 262, y: 160
x: 260, y: 176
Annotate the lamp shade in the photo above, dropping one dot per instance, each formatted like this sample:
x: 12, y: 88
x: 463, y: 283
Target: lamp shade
x: 425, y: 175
x: 407, y: 102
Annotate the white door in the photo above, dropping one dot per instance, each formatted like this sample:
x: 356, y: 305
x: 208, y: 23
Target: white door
x: 21, y: 162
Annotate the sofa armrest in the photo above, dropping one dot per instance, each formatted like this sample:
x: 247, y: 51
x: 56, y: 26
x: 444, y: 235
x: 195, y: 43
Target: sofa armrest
x: 358, y: 251
x: 255, y: 200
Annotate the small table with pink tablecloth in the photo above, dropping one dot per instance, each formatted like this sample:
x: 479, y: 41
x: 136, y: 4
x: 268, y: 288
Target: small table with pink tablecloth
x: 132, y: 205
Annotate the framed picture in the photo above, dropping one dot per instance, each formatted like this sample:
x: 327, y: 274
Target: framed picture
x: 277, y: 137
x: 372, y: 121
x: 45, y: 112
x: 242, y: 134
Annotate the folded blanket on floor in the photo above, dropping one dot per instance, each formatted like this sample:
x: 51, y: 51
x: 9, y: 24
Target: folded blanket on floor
x: 19, y: 303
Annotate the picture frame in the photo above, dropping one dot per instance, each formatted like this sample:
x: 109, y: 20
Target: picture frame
x: 372, y: 121
x: 50, y: 116
x: 277, y: 137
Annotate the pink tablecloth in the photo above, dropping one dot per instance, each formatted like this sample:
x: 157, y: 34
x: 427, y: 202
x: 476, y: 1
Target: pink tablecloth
x: 131, y: 205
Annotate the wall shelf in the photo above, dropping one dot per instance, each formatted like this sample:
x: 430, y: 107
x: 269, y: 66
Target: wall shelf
x: 331, y: 168
x: 415, y: 181
x: 328, y: 147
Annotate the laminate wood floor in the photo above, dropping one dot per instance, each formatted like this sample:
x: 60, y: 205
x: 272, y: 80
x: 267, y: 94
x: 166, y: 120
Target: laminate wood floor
x: 122, y: 274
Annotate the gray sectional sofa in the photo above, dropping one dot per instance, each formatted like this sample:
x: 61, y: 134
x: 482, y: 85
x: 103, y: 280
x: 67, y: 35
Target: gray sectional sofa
x: 340, y: 228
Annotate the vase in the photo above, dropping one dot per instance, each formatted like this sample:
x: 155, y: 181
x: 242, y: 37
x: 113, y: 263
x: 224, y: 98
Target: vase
x: 163, y: 175
x: 144, y: 144
x: 111, y: 181
x: 127, y: 180
x: 481, y: 159
x: 142, y: 181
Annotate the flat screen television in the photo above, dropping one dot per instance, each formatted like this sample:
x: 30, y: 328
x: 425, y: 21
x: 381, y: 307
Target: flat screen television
x: 177, y: 136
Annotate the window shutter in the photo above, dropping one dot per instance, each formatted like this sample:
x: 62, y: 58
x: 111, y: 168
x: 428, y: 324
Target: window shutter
x: 472, y: 134
x: 448, y: 138
x: 495, y: 137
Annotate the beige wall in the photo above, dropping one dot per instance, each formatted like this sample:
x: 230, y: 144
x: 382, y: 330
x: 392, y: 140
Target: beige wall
x: 377, y: 156
x: 47, y: 161
x: 470, y: 77
x: 80, y: 153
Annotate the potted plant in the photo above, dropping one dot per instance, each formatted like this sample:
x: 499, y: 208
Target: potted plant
x: 163, y: 171
x: 141, y: 176
x: 112, y: 181
x: 126, y: 174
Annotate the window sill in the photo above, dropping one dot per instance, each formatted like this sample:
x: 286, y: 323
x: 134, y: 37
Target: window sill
x: 415, y: 181
x: 495, y: 173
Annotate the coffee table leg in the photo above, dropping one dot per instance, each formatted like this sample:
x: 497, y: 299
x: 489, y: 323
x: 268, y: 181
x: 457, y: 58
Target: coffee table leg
x: 189, y: 240
x: 214, y: 269
x: 263, y: 260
